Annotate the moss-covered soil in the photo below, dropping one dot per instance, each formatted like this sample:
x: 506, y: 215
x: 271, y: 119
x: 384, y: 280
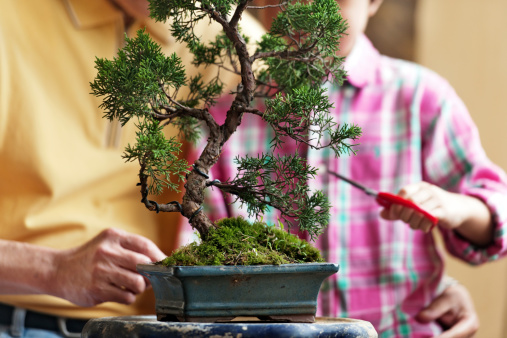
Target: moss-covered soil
x: 236, y: 241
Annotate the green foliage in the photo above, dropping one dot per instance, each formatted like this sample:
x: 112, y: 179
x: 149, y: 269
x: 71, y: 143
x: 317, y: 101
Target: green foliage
x: 217, y: 52
x: 185, y: 14
x: 281, y: 182
x: 203, y: 92
x: 188, y: 10
x: 310, y: 34
x: 133, y: 84
x: 304, y: 115
x: 157, y: 156
x: 189, y: 128
x: 142, y: 81
x: 134, y: 81
x: 236, y: 241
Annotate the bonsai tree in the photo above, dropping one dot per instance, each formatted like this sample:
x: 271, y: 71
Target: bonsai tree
x: 286, y: 72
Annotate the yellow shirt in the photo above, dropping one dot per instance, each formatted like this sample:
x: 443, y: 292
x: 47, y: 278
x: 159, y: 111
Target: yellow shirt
x: 62, y: 178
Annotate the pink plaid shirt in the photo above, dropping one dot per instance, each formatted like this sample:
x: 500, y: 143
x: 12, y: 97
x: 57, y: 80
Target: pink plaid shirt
x: 414, y: 128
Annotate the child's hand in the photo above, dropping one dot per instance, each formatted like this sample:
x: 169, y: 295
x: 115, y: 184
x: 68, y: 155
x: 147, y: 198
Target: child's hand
x: 453, y: 210
x: 431, y: 198
x: 454, y: 310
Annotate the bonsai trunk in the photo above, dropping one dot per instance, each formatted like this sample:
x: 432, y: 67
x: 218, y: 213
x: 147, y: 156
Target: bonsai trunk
x: 196, y: 181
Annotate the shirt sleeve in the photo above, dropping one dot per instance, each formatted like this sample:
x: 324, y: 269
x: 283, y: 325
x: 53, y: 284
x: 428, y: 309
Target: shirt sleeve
x: 453, y: 159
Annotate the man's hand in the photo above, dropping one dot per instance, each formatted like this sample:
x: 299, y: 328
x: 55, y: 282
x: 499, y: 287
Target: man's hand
x: 104, y: 269
x: 454, y: 310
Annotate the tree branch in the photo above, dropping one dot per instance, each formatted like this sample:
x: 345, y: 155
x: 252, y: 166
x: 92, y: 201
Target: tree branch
x: 286, y: 54
x: 254, y: 111
x: 259, y: 195
x: 280, y: 5
x: 215, y: 15
x: 200, y: 114
x: 239, y: 11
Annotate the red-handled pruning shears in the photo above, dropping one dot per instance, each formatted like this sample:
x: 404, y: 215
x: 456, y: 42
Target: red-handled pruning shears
x: 387, y: 199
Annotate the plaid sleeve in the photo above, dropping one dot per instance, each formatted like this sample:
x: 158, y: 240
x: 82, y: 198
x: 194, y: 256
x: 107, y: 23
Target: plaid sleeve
x: 455, y: 160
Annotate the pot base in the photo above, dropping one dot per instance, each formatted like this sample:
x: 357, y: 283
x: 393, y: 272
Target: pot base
x: 300, y: 318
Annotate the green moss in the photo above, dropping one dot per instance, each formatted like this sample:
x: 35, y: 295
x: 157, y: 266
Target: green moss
x: 235, y: 241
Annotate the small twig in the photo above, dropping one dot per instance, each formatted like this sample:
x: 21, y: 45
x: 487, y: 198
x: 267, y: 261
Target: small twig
x: 268, y: 6
x: 237, y: 257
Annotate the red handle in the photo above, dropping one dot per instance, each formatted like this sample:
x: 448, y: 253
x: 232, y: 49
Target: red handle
x: 386, y: 199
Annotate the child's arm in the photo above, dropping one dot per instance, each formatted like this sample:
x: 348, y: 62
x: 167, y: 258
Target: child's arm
x: 467, y: 215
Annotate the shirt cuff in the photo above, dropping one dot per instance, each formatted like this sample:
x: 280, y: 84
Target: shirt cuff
x: 463, y: 249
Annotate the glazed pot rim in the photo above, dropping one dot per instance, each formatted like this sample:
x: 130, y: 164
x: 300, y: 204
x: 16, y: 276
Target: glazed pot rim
x: 238, y: 269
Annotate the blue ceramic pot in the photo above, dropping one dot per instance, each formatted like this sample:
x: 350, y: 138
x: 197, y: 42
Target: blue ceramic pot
x: 213, y: 293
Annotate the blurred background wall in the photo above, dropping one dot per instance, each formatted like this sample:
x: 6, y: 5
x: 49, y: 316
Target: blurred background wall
x: 464, y: 41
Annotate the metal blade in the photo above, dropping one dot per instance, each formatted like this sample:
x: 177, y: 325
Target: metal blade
x: 368, y: 191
